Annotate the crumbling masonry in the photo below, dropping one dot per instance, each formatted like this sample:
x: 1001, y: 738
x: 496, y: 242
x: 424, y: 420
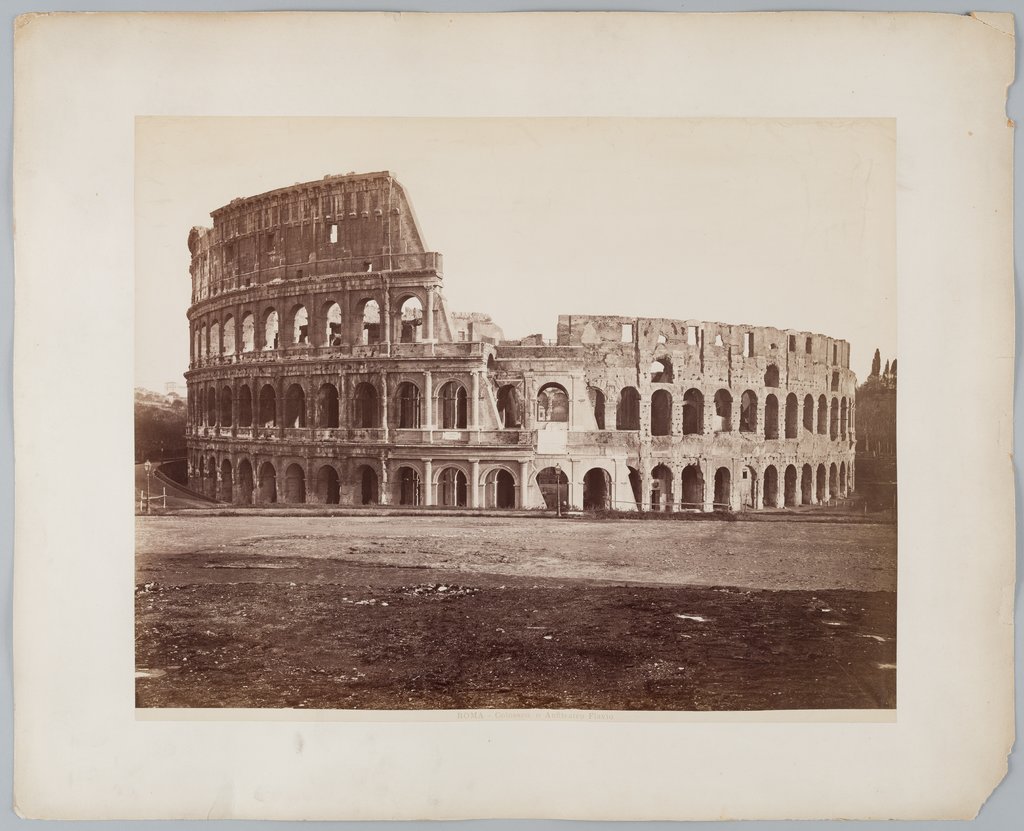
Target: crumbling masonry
x: 326, y: 367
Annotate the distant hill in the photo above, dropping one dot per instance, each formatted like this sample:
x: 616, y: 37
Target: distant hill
x: 159, y: 425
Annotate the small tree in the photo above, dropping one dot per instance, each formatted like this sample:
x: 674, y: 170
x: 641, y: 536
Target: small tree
x: 876, y: 364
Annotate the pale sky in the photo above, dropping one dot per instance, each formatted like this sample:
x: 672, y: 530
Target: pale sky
x: 787, y: 223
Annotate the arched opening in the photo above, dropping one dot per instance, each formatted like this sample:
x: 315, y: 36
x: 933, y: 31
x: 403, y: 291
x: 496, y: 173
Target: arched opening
x: 268, y: 406
x: 245, y: 407
x: 833, y: 420
x: 596, y: 490
x: 821, y: 493
x: 267, y: 485
x: 510, y: 409
x: 295, y: 407
x: 554, y: 487
x: 327, y: 406
x: 843, y: 418
x: 661, y: 488
x: 692, y: 495
x: 771, y: 417
x: 215, y: 338
x: 453, y: 401
x: 364, y: 406
x: 270, y: 330
x: 409, y: 490
x: 723, y: 411
x: 771, y: 487
x: 552, y: 403
x: 244, y: 485
x: 596, y: 397
x: 248, y: 333
x: 408, y: 406
x: 723, y: 487
x: 843, y: 489
x: 224, y: 483
x: 771, y: 376
x: 328, y: 485
x: 294, y: 484
x: 226, y: 419
x: 451, y: 488
x: 370, y: 325
x: 202, y: 341
x: 822, y: 415
x: 833, y: 481
x: 790, y: 485
x: 332, y: 325
x: 749, y: 497
x: 835, y: 382
x: 809, y: 413
x: 792, y: 407
x: 748, y: 412
x: 369, y: 487
x: 693, y: 412
x: 197, y: 348
x: 627, y: 414
x: 661, y: 370
x: 500, y: 489
x: 661, y: 413
x: 806, y: 485
x: 410, y: 320
x: 229, y: 335
x: 300, y: 326
x: 636, y: 486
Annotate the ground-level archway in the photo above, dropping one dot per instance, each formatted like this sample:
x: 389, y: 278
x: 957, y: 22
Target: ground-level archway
x: 328, y: 485
x: 723, y: 487
x: 770, y: 486
x: 452, y: 488
x: 806, y: 485
x: 597, y: 490
x: 409, y: 488
x: 661, y: 488
x: 692, y: 487
x: 790, y: 487
x: 369, y: 485
x: 554, y: 487
x: 500, y: 489
x: 244, y: 483
x: 266, y: 488
x: 294, y: 484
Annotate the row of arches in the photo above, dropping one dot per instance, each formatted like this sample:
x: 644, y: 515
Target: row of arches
x: 271, y: 329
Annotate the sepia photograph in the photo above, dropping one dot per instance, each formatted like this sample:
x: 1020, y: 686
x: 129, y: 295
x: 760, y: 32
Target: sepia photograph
x: 506, y: 413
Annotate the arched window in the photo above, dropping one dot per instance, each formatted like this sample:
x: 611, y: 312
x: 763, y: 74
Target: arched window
x: 693, y: 412
x: 835, y: 382
x: 723, y: 411
x: 833, y: 420
x: 229, y: 335
x: 410, y: 320
x: 364, y: 406
x: 627, y: 414
x: 248, y: 333
x: 661, y: 371
x: 510, y: 410
x: 596, y: 397
x: 332, y: 324
x: 211, y: 406
x: 451, y: 488
x: 370, y: 322
x: 327, y: 406
x: 300, y: 326
x: 771, y: 417
x: 408, y: 406
x: 215, y: 338
x: 270, y: 330
x: 661, y: 413
x: 202, y: 341
x: 245, y: 407
x: 809, y: 413
x: 295, y: 407
x: 748, y: 412
x: 843, y: 418
x: 225, y: 407
x: 822, y: 415
x: 771, y: 376
x: 268, y: 406
x: 552, y: 403
x: 792, y: 407
x: 453, y: 400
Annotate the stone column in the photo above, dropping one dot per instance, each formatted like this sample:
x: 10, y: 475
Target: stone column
x: 428, y: 481
x: 428, y: 403
x: 523, y: 488
x: 384, y: 403
x: 474, y: 481
x: 430, y: 315
x: 709, y: 413
x: 475, y: 414
x: 384, y: 497
x: 279, y: 388
x: 709, y: 485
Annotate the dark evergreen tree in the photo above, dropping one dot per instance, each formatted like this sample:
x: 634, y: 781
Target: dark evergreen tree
x: 876, y: 364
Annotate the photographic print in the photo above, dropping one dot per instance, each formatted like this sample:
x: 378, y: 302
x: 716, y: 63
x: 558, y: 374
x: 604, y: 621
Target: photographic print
x: 589, y: 414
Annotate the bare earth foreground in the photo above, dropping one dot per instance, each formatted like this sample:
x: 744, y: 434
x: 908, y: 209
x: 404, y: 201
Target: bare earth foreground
x: 465, y: 612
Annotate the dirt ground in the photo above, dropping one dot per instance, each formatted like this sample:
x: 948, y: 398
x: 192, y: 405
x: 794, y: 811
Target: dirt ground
x: 452, y: 612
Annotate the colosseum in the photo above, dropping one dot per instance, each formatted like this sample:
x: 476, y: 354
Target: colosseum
x: 326, y: 367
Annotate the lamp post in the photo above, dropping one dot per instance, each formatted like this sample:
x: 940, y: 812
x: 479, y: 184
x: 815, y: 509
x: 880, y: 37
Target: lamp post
x: 148, y: 467
x: 558, y: 488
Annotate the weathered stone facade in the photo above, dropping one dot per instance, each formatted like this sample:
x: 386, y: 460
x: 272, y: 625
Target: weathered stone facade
x: 326, y: 367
